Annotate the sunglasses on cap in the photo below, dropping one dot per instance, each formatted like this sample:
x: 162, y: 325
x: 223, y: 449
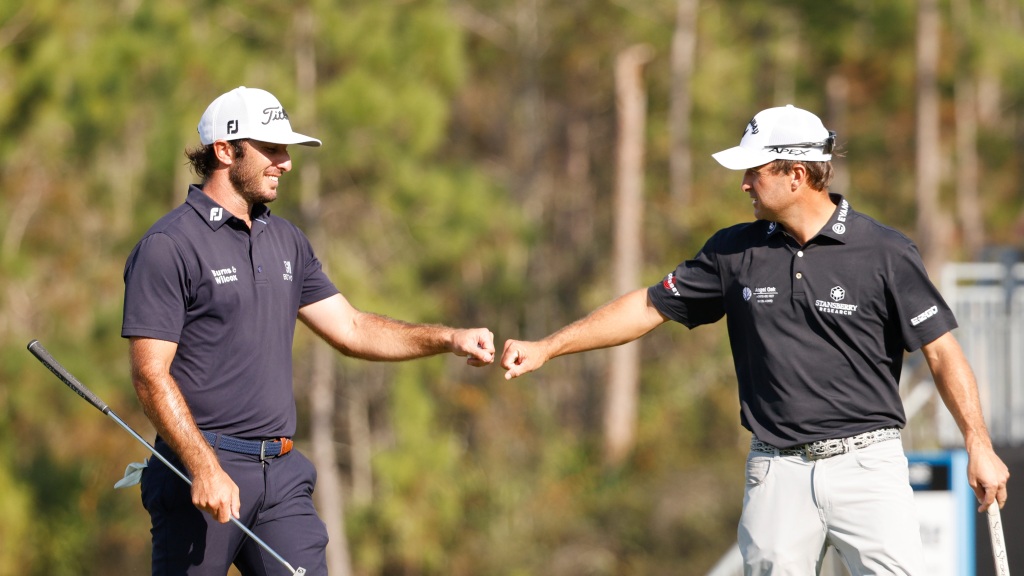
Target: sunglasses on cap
x: 827, y: 145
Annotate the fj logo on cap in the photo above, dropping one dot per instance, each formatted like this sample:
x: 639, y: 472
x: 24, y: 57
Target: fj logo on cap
x: 232, y: 126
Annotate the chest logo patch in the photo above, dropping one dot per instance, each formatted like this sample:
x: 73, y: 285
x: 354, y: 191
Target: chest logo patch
x: 760, y: 294
x: 225, y: 275
x: 835, y: 305
x: 287, y: 271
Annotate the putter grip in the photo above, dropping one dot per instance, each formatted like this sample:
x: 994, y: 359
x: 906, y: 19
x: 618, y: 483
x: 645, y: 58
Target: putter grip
x: 50, y: 362
x: 995, y: 527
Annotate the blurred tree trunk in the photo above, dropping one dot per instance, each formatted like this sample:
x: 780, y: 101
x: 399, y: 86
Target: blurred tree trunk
x: 624, y: 370
x: 786, y: 51
x: 684, y: 48
x: 967, y: 195
x: 322, y: 391
x: 361, y: 442
x: 928, y: 158
x: 836, y: 107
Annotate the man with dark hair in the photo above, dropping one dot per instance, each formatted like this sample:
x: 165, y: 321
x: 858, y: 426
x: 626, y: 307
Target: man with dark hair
x: 821, y: 303
x: 212, y: 294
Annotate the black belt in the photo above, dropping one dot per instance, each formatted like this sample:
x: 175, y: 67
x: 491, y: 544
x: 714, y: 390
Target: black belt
x: 262, y: 448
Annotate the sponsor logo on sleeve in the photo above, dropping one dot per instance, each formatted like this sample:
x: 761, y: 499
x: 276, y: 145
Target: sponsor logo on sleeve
x: 924, y: 315
x: 670, y: 283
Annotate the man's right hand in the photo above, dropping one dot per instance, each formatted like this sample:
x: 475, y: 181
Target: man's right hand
x: 521, y: 357
x: 216, y: 493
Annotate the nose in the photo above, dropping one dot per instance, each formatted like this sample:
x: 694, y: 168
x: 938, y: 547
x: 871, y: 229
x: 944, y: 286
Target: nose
x: 285, y: 164
x: 748, y: 181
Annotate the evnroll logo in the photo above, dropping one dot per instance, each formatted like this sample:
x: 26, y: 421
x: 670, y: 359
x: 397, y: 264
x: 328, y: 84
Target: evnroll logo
x: 924, y: 315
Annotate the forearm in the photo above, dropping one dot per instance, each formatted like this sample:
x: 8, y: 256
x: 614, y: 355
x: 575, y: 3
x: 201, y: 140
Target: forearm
x: 986, y: 472
x: 376, y: 337
x: 167, y: 410
x: 620, y: 321
x: 958, y: 389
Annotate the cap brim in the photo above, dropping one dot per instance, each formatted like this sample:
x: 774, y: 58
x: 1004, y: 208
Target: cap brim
x: 296, y: 138
x: 740, y: 158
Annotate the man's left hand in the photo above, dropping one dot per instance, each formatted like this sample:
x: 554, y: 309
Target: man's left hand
x: 476, y: 343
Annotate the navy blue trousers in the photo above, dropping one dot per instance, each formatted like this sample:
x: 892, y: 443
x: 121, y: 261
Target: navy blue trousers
x: 277, y: 505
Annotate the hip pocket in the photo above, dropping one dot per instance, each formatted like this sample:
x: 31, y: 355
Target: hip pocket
x: 758, y: 468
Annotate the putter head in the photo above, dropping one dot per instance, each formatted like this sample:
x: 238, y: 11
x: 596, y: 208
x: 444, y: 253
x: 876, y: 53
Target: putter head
x: 300, y: 571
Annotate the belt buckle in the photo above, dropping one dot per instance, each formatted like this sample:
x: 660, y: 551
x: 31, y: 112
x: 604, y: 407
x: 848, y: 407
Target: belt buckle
x: 827, y: 449
x: 286, y: 447
x: 809, y: 451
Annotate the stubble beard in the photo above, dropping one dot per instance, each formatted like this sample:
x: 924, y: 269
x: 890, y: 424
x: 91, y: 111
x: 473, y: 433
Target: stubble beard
x: 247, y: 180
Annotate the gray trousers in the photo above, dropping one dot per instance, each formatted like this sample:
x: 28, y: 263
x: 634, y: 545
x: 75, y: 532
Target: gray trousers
x: 860, y: 502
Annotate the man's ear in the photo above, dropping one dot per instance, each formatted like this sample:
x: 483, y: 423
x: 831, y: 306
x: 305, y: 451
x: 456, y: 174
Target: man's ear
x: 798, y: 176
x: 224, y: 152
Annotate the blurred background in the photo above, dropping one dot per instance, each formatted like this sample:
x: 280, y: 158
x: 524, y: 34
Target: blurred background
x: 502, y: 163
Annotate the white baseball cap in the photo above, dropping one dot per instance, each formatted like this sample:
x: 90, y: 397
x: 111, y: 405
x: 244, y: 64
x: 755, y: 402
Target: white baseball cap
x: 249, y: 113
x: 781, y: 133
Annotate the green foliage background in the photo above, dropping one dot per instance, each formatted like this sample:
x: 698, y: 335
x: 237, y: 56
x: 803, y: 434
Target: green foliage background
x: 445, y: 195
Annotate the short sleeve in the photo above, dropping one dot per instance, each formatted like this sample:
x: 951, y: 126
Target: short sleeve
x: 923, y: 313
x: 692, y: 294
x: 156, y: 293
x: 316, y: 286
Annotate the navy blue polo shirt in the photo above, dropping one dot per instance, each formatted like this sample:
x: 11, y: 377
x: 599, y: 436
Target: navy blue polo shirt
x: 229, y: 297
x: 818, y: 332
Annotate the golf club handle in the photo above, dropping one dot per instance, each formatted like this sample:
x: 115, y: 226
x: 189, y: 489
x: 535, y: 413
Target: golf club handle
x: 995, y: 528
x: 50, y: 362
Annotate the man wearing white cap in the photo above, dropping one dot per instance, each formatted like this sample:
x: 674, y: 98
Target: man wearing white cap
x: 821, y: 303
x: 212, y: 294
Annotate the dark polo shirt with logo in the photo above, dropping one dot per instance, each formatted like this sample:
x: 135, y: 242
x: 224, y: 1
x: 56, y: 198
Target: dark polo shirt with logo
x: 817, y: 332
x: 229, y: 298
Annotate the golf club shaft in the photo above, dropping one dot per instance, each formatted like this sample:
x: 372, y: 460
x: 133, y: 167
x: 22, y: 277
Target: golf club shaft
x: 67, y: 378
x: 995, y: 528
